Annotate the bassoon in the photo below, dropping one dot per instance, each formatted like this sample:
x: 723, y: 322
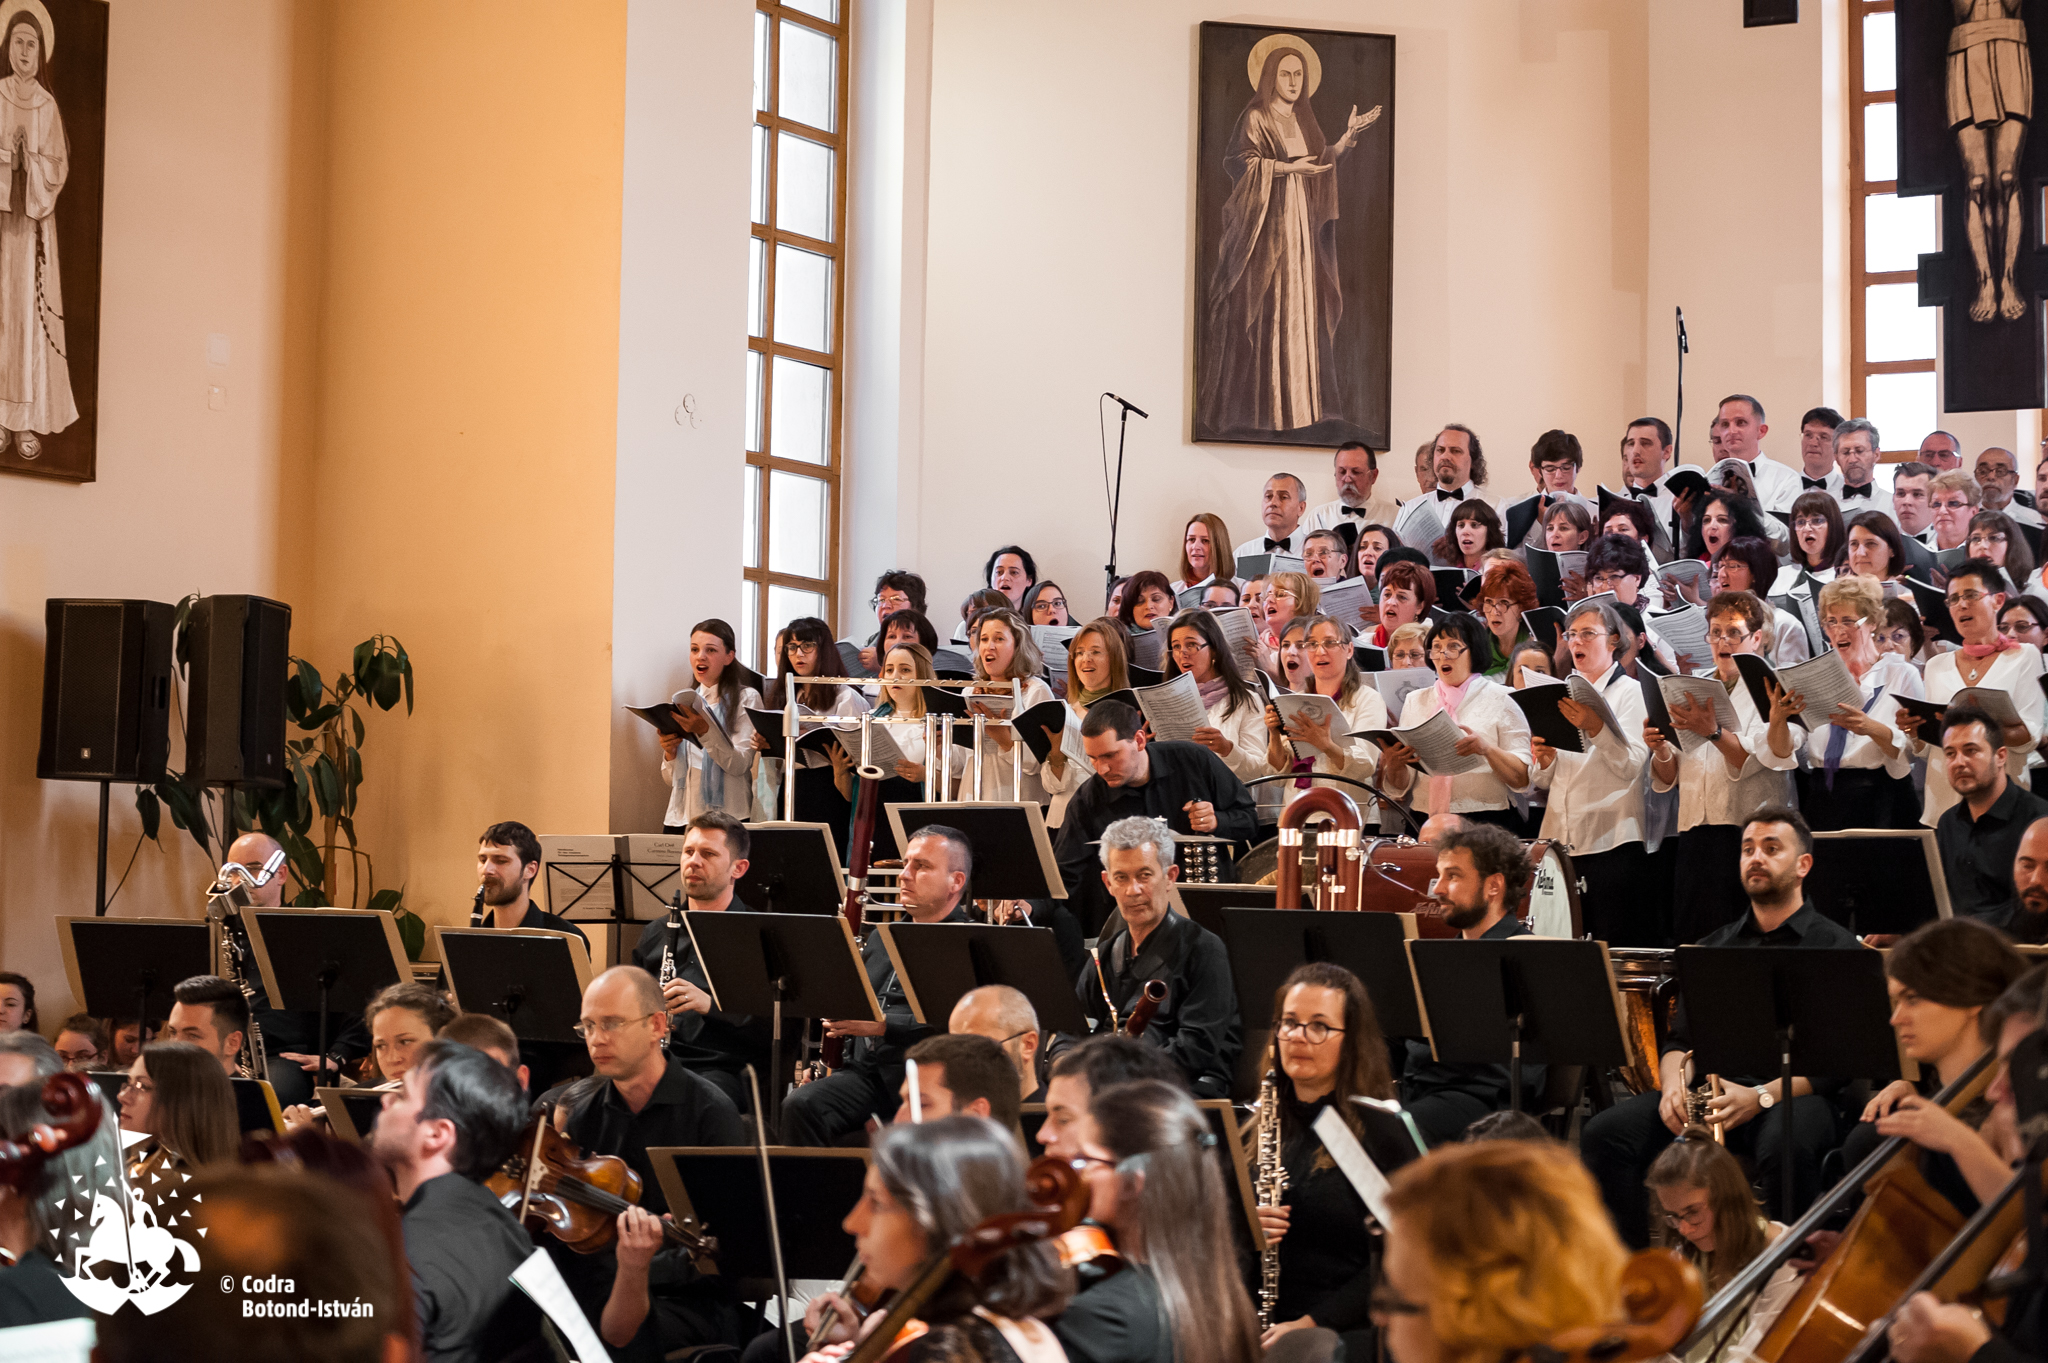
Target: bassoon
x: 832, y: 1051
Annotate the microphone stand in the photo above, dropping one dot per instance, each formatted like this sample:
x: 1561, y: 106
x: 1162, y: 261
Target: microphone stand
x: 1678, y: 418
x: 1116, y: 498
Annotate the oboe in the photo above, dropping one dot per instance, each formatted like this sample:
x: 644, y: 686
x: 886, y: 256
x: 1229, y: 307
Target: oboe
x: 1269, y: 1179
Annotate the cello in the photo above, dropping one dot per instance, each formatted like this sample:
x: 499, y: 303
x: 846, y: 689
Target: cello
x: 71, y: 1100
x: 1661, y: 1294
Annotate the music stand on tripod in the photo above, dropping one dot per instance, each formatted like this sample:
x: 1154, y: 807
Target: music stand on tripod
x: 792, y: 868
x: 326, y: 961
x: 119, y: 967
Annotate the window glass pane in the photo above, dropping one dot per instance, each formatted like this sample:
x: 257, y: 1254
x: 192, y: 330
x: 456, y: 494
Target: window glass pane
x: 803, y: 186
x: 1896, y: 230
x: 750, y: 529
x: 1880, y: 68
x: 799, y: 524
x: 757, y: 284
x: 1901, y: 406
x: 1880, y: 142
x: 1895, y: 327
x: 828, y: 10
x: 754, y: 401
x: 809, y: 87
x: 760, y: 174
x: 760, y: 61
x: 787, y: 603
x: 801, y: 403
x: 803, y: 298
x: 750, y: 607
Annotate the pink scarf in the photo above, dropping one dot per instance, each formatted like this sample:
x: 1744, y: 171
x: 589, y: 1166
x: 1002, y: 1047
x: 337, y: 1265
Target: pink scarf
x: 1450, y: 698
x: 1999, y: 644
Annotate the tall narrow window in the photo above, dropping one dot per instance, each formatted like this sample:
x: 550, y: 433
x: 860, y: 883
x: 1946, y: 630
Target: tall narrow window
x: 1891, y: 337
x: 797, y: 283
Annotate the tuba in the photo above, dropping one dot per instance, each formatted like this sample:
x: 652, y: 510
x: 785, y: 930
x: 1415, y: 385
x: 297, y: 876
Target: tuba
x: 224, y: 904
x: 1338, y: 859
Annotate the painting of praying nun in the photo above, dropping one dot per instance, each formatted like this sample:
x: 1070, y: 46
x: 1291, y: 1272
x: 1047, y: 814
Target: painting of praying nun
x: 1295, y: 236
x: 52, y: 152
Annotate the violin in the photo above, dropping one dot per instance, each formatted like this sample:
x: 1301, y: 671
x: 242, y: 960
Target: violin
x: 553, y: 1187
x: 1088, y: 1250
x: 1661, y: 1294
x: 70, y: 1099
x: 1059, y: 1199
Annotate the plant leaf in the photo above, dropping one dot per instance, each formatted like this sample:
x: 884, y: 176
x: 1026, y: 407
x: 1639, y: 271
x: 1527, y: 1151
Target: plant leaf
x: 327, y: 786
x: 366, y: 650
x: 348, y: 828
x: 150, y: 810
x: 357, y: 720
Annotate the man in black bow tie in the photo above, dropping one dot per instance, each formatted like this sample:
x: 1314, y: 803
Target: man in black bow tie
x: 1855, y: 449
x: 1282, y: 507
x: 1460, y: 473
x: 1358, y: 471
x: 1817, y: 451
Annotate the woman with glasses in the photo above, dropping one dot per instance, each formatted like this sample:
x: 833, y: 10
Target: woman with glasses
x: 1748, y: 564
x: 1475, y: 528
x: 698, y: 777
x: 178, y: 1096
x: 1204, y: 552
x: 1622, y: 566
x: 1595, y: 802
x: 1235, y: 724
x: 1046, y: 604
x: 1858, y: 765
x: 806, y: 649
x: 1408, y: 647
x: 1331, y: 1052
x: 1005, y: 653
x: 1505, y: 592
x: 1719, y: 781
x: 1495, y: 731
x: 1817, y: 538
x: 1710, y: 1219
x: 1995, y: 537
x: 1096, y: 668
x: 1333, y: 672
x: 1976, y: 599
x: 2025, y: 619
x: 1156, y: 1185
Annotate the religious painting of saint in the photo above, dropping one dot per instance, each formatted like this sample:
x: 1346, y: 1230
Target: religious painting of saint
x: 53, y: 115
x: 1294, y: 195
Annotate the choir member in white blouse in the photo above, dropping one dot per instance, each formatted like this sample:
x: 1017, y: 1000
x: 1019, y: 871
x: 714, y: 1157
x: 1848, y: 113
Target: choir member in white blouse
x: 1005, y: 652
x: 1236, y: 710
x: 1096, y: 667
x: 1596, y: 796
x: 1817, y: 538
x: 806, y: 649
x: 1720, y: 782
x: 1988, y: 658
x: 1748, y: 564
x: 904, y: 670
x: 697, y: 780
x: 1460, y: 651
x: 1332, y: 672
x: 1205, y: 552
x: 1858, y: 765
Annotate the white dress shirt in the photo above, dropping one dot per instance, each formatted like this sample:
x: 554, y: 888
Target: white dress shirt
x: 1877, y: 499
x: 2017, y: 672
x: 1378, y: 511
x: 2020, y: 514
x: 1596, y: 797
x: 1898, y: 678
x: 1777, y: 485
x: 997, y: 777
x: 1488, y: 710
x: 1789, y: 643
x: 1442, y: 504
x: 1293, y: 544
x: 1247, y: 733
x: 684, y: 773
x: 1709, y: 793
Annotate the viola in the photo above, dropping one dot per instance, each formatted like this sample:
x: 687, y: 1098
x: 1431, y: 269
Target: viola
x: 553, y: 1187
x: 70, y: 1099
x: 1661, y: 1294
x: 1088, y: 1250
x: 1059, y: 1198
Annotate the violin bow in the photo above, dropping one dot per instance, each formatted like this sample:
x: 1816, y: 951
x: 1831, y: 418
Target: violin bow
x: 774, y: 1227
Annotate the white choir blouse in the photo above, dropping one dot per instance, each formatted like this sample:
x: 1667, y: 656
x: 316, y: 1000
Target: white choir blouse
x: 1596, y: 797
x: 2017, y: 672
x: 1365, y: 710
x: 1247, y: 733
x: 1709, y: 793
x: 684, y: 773
x: 997, y: 781
x: 1898, y: 678
x: 1489, y: 710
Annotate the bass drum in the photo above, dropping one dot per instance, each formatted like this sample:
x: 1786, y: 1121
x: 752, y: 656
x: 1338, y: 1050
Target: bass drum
x: 1396, y: 878
x: 1552, y: 908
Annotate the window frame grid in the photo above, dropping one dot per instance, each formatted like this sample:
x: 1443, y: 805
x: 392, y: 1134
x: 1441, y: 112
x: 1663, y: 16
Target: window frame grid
x: 771, y: 236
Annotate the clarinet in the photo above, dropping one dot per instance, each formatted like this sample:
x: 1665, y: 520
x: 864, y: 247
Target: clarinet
x: 1269, y: 1178
x: 668, y: 953
x: 476, y: 910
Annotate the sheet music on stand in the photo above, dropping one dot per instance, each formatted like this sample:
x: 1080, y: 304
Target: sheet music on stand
x: 649, y: 868
x: 578, y: 874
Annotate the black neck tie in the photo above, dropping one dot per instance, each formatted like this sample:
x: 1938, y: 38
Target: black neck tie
x: 1457, y: 496
x: 1856, y: 490
x: 1806, y: 482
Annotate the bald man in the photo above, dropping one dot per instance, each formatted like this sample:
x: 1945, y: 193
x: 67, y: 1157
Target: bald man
x: 2025, y: 915
x: 1006, y: 1017
x: 291, y: 1039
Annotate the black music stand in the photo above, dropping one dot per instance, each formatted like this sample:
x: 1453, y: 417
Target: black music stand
x: 1266, y: 945
x: 118, y: 966
x: 1823, y: 1014
x: 792, y: 868
x: 1013, y: 857
x: 1206, y: 903
x: 1540, y: 999
x: 938, y: 962
x: 531, y: 979
x: 351, y: 1113
x: 770, y: 964
x: 1874, y: 880
x: 721, y: 1187
x: 325, y: 961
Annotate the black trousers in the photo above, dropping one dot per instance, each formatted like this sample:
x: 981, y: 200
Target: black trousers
x: 1862, y: 797
x: 1620, y: 1144
x: 1627, y: 899
x: 1706, y: 884
x: 825, y: 1111
x: 291, y: 1084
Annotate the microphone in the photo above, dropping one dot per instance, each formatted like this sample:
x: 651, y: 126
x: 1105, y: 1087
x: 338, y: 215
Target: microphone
x: 1683, y: 348
x: 1128, y: 406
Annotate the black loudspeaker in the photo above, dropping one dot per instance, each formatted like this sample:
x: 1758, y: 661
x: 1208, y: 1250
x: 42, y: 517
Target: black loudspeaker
x: 240, y: 650
x: 106, y: 691
x: 1764, y: 13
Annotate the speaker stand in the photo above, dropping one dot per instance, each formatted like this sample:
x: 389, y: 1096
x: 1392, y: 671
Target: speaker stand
x: 99, y: 902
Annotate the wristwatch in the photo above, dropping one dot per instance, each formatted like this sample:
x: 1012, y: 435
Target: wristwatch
x: 1764, y: 1097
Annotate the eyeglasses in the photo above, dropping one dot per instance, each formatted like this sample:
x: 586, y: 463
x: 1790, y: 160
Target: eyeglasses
x: 1050, y: 602
x: 1188, y: 646
x: 1840, y: 621
x: 1967, y: 595
x: 1607, y: 581
x: 1809, y: 522
x: 1728, y: 636
x: 894, y: 603
x: 1447, y: 648
x: 608, y: 1025
x: 1585, y: 636
x: 141, y: 1086
x: 1955, y: 504
x: 796, y: 646
x: 1986, y: 537
x: 1314, y: 1033
x: 1689, y: 1216
x: 1326, y: 645
x: 1554, y: 469
x: 1490, y: 604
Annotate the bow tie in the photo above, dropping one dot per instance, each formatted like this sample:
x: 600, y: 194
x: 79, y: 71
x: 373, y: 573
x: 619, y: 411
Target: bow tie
x: 1641, y: 493
x: 1457, y: 496
x: 1281, y: 545
x: 1806, y: 482
x: 1856, y: 489
x: 1343, y: 510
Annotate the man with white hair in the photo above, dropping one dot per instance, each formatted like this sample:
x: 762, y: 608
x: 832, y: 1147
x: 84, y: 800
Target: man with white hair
x: 1197, y: 1023
x: 1856, y: 447
x: 1006, y: 1017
